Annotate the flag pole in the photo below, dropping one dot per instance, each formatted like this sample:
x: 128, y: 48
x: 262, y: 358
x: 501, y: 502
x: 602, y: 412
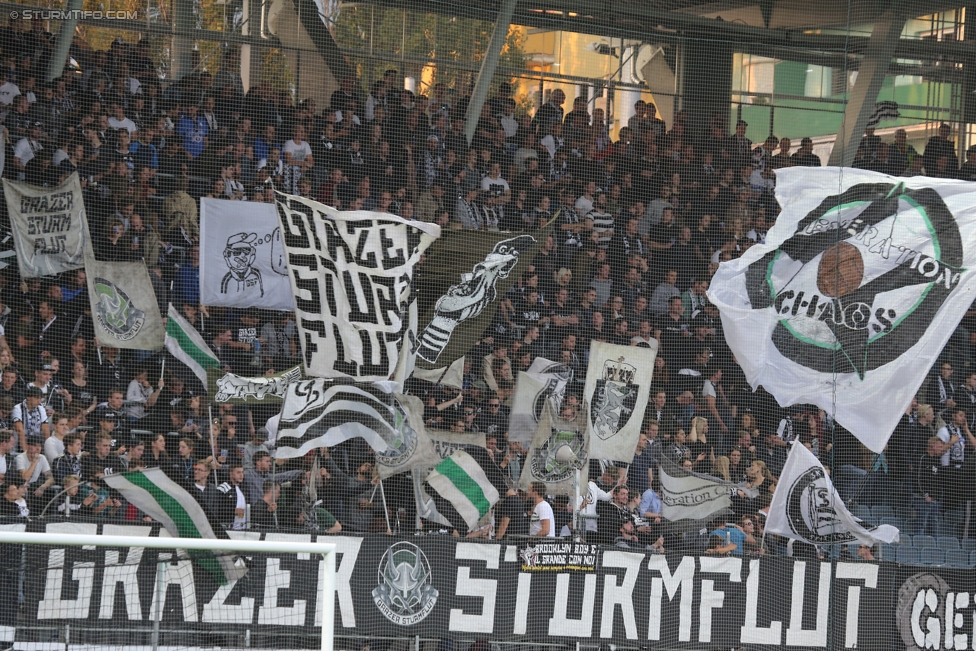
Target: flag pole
x: 162, y: 370
x: 213, y: 443
x: 386, y: 510
x: 576, y: 507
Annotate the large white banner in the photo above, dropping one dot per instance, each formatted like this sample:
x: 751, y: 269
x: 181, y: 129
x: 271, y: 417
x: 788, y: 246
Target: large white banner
x: 618, y: 383
x: 859, y: 286
x: 48, y: 226
x: 351, y: 274
x: 806, y: 507
x: 242, y: 261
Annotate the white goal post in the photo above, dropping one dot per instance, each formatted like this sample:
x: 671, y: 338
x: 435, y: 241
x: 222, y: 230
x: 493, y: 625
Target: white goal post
x: 326, y: 550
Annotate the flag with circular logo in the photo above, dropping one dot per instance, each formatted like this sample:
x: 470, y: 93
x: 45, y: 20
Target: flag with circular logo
x: 123, y: 305
x: 855, y: 293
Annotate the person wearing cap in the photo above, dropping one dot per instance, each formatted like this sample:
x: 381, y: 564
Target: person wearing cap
x: 108, y: 420
x: 27, y: 148
x: 29, y: 417
x: 258, y: 443
x: 35, y: 470
x: 56, y: 397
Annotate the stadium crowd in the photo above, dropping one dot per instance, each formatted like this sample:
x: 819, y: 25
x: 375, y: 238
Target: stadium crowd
x: 642, y: 222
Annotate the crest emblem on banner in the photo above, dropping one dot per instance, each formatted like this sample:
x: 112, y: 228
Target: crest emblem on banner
x: 614, y: 398
x: 865, y: 272
x: 401, y: 449
x: 115, y: 311
x: 811, y: 512
x: 554, y: 374
x: 563, y: 453
x: 404, y: 594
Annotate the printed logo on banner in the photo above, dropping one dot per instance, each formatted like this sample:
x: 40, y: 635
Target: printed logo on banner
x: 614, y: 398
x: 400, y: 450
x: 554, y: 374
x: 559, y: 557
x: 810, y: 511
x: 471, y: 296
x: 921, y: 610
x: 236, y: 387
x: 404, y: 594
x: 868, y: 295
x: 115, y: 311
x: 239, y: 256
x: 563, y: 453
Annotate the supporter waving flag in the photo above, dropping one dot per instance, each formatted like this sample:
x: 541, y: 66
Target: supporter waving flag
x: 351, y: 274
x: 165, y: 501
x: 855, y: 292
x: 806, y: 507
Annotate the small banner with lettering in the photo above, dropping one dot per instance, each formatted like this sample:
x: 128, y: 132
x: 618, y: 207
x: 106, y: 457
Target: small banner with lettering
x: 124, y: 307
x: 351, y: 275
x: 237, y: 389
x: 48, y: 225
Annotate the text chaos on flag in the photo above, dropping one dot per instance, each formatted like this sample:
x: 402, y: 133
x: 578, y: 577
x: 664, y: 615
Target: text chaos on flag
x: 860, y: 284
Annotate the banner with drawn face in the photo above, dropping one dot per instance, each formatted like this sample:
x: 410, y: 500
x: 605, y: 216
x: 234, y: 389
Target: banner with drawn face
x: 241, y: 260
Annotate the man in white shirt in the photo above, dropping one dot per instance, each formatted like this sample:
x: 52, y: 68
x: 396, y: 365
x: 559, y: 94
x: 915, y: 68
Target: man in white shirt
x: 27, y: 148
x: 33, y: 466
x: 54, y: 445
x: 119, y: 121
x: 8, y: 91
x: 543, y: 522
x: 29, y: 417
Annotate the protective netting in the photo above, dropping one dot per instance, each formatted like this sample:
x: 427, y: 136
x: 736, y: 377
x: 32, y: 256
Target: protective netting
x: 591, y: 167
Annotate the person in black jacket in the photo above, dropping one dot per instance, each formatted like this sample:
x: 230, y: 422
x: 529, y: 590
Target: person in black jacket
x: 205, y: 492
x: 930, y: 487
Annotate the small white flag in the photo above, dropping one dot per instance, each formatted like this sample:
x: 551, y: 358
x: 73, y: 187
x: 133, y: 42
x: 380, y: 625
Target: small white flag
x: 806, y: 507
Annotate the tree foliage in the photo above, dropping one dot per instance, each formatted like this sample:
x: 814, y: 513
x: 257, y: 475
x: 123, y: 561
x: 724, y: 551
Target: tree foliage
x: 405, y: 40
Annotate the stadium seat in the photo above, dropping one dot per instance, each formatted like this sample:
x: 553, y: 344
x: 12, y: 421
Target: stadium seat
x: 958, y: 558
x: 870, y: 521
x: 908, y: 555
x: 972, y: 558
x: 922, y: 541
x: 969, y: 544
x: 862, y: 511
x: 897, y: 523
x: 949, y: 530
x: 933, y: 556
x: 888, y: 552
x: 947, y: 542
x: 955, y: 517
x: 882, y: 512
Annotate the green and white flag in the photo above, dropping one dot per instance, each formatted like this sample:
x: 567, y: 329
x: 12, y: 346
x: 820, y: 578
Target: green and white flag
x: 185, y: 344
x: 167, y: 502
x: 462, y: 481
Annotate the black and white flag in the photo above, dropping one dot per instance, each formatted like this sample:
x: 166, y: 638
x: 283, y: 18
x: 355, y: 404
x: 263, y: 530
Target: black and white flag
x: 465, y: 275
x: 886, y: 110
x: 543, y: 384
x: 689, y: 495
x: 618, y: 384
x: 242, y: 261
x: 48, y: 225
x: 319, y: 413
x: 351, y: 274
x: 123, y: 305
x: 860, y: 283
x: 806, y: 507
x: 559, y: 450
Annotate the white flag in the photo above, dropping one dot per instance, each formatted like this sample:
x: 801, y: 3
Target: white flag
x: 543, y: 384
x: 48, y: 225
x: 688, y: 495
x: 242, y: 261
x: 618, y: 383
x: 449, y: 376
x: 806, y: 507
x: 559, y: 450
x: 351, y: 274
x: 856, y: 291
